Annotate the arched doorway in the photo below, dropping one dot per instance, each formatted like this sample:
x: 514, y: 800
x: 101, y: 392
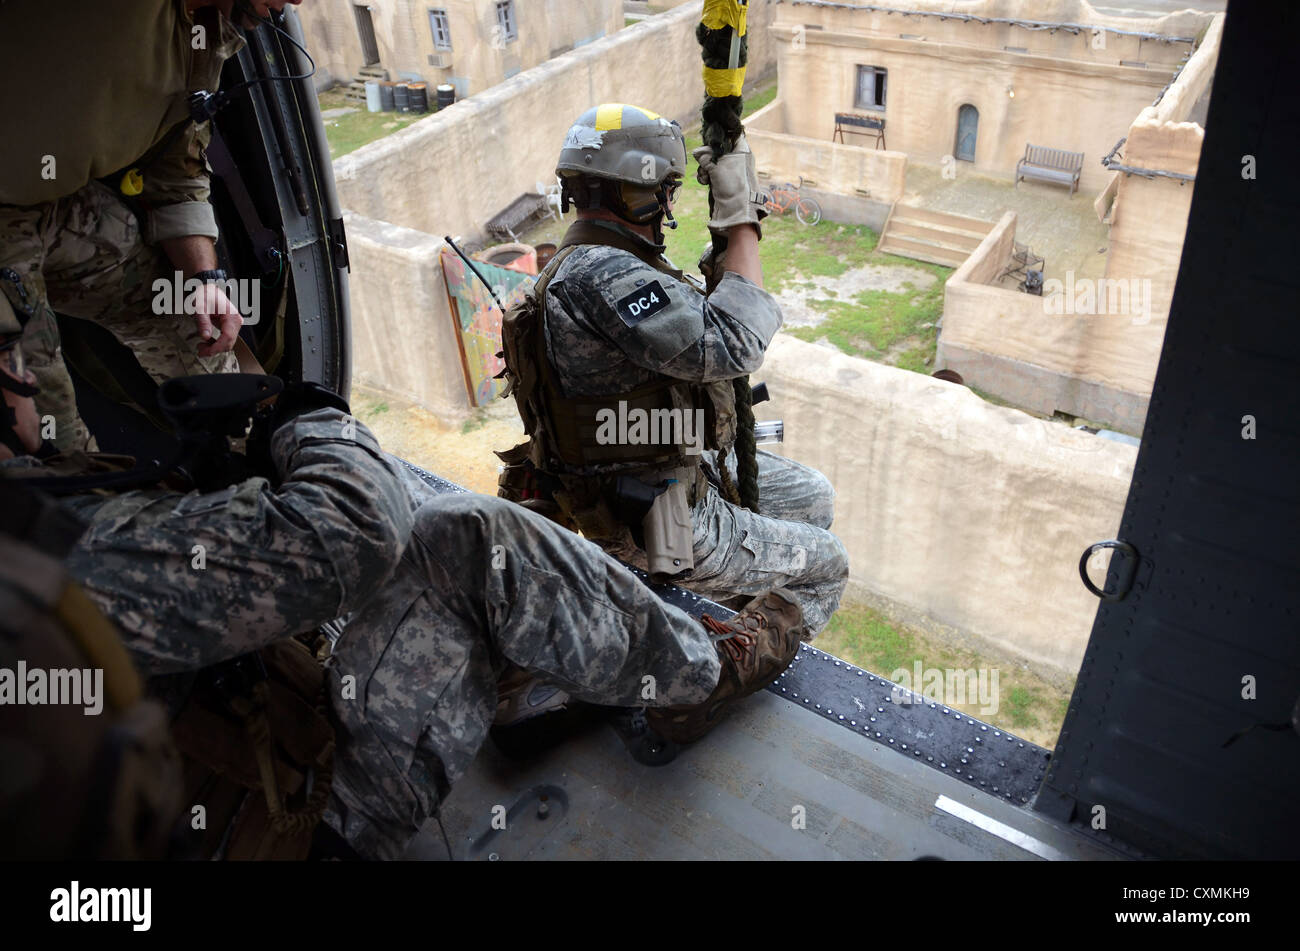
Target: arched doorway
x: 968, y: 123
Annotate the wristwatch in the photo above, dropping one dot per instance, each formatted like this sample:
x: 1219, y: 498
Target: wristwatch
x: 215, y: 274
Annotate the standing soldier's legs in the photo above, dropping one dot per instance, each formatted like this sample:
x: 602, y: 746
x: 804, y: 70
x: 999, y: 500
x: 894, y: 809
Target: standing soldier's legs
x: 98, y: 268
x: 790, y: 490
x: 24, y: 236
x: 738, y: 552
x: 484, y: 582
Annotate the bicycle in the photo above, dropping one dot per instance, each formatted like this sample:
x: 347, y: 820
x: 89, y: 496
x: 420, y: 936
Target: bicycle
x: 783, y: 197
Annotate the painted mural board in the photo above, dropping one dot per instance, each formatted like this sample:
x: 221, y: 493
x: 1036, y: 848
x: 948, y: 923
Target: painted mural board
x: 478, y: 321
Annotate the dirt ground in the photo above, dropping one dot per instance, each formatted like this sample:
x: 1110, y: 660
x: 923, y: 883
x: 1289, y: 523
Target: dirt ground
x: 462, y: 453
x: 795, y: 298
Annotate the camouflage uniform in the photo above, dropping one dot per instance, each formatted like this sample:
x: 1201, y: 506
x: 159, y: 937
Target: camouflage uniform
x: 441, y: 592
x: 69, y: 243
x: 598, y: 347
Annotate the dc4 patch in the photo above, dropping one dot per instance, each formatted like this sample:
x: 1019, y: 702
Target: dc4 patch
x: 642, y: 303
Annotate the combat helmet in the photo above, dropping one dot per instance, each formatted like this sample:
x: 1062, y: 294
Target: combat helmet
x: 623, y: 158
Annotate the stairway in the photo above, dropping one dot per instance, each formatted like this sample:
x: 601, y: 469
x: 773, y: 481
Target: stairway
x: 933, y: 236
x: 356, y: 90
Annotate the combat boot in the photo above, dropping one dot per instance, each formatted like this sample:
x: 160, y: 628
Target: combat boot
x: 755, y: 646
x: 522, y: 696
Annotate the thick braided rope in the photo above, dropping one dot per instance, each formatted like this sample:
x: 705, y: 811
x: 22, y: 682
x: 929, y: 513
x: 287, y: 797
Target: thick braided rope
x: 746, y: 444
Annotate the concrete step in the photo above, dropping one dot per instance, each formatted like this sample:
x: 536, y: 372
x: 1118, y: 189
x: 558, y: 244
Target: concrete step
x: 922, y: 251
x: 946, y: 237
x: 934, y: 236
x: 943, y: 219
x: 372, y: 72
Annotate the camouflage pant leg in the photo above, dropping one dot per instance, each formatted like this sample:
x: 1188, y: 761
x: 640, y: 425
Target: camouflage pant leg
x: 789, y: 490
x: 482, y: 582
x: 738, y: 552
x: 23, y: 238
x: 96, y: 266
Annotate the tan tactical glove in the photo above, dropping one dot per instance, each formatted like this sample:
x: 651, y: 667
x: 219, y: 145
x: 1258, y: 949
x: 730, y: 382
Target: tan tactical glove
x: 734, y: 194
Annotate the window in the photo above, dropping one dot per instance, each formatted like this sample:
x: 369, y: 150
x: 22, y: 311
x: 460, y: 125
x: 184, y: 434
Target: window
x: 441, y: 29
x: 506, y: 20
x: 871, y: 88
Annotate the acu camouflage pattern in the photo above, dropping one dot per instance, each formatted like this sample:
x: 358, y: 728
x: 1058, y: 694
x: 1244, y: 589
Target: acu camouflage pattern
x: 483, y: 583
x: 84, y: 256
x: 703, y: 339
x: 440, y: 592
x: 277, y: 561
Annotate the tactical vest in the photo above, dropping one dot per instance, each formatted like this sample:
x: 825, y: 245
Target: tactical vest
x: 563, y: 461
x: 255, y: 743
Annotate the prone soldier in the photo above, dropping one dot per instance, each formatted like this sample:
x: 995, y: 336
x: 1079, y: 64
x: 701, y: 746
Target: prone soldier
x: 439, y: 593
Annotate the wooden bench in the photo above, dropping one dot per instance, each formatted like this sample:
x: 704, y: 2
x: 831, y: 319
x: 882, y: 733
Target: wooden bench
x: 851, y: 123
x: 1050, y: 165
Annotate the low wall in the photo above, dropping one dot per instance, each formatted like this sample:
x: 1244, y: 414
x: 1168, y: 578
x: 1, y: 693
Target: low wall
x: 875, y: 174
x: 451, y: 172
x: 972, y: 514
x: 967, y: 513
x: 403, y: 339
x: 1097, y: 365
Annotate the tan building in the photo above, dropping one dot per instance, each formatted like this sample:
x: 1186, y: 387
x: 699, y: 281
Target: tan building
x: 472, y: 44
x: 1090, y: 347
x: 979, y: 85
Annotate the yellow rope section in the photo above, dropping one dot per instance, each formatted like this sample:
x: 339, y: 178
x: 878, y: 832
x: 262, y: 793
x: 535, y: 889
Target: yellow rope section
x: 723, y: 82
x: 720, y: 13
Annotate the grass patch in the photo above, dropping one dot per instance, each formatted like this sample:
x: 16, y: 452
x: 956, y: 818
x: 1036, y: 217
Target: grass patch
x: 348, y: 133
x: 880, y: 325
x: 1026, y: 704
x: 477, y: 421
x: 759, y: 99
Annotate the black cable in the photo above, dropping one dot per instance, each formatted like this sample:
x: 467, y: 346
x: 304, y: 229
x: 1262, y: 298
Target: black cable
x: 204, y: 106
x: 266, y: 79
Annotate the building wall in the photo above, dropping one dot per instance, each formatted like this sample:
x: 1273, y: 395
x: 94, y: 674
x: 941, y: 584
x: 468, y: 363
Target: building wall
x: 1068, y: 94
x: 479, y: 58
x: 402, y: 332
x: 1148, y: 216
x: 452, y: 171
x: 971, y: 514
x: 848, y: 170
x: 1099, y: 366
